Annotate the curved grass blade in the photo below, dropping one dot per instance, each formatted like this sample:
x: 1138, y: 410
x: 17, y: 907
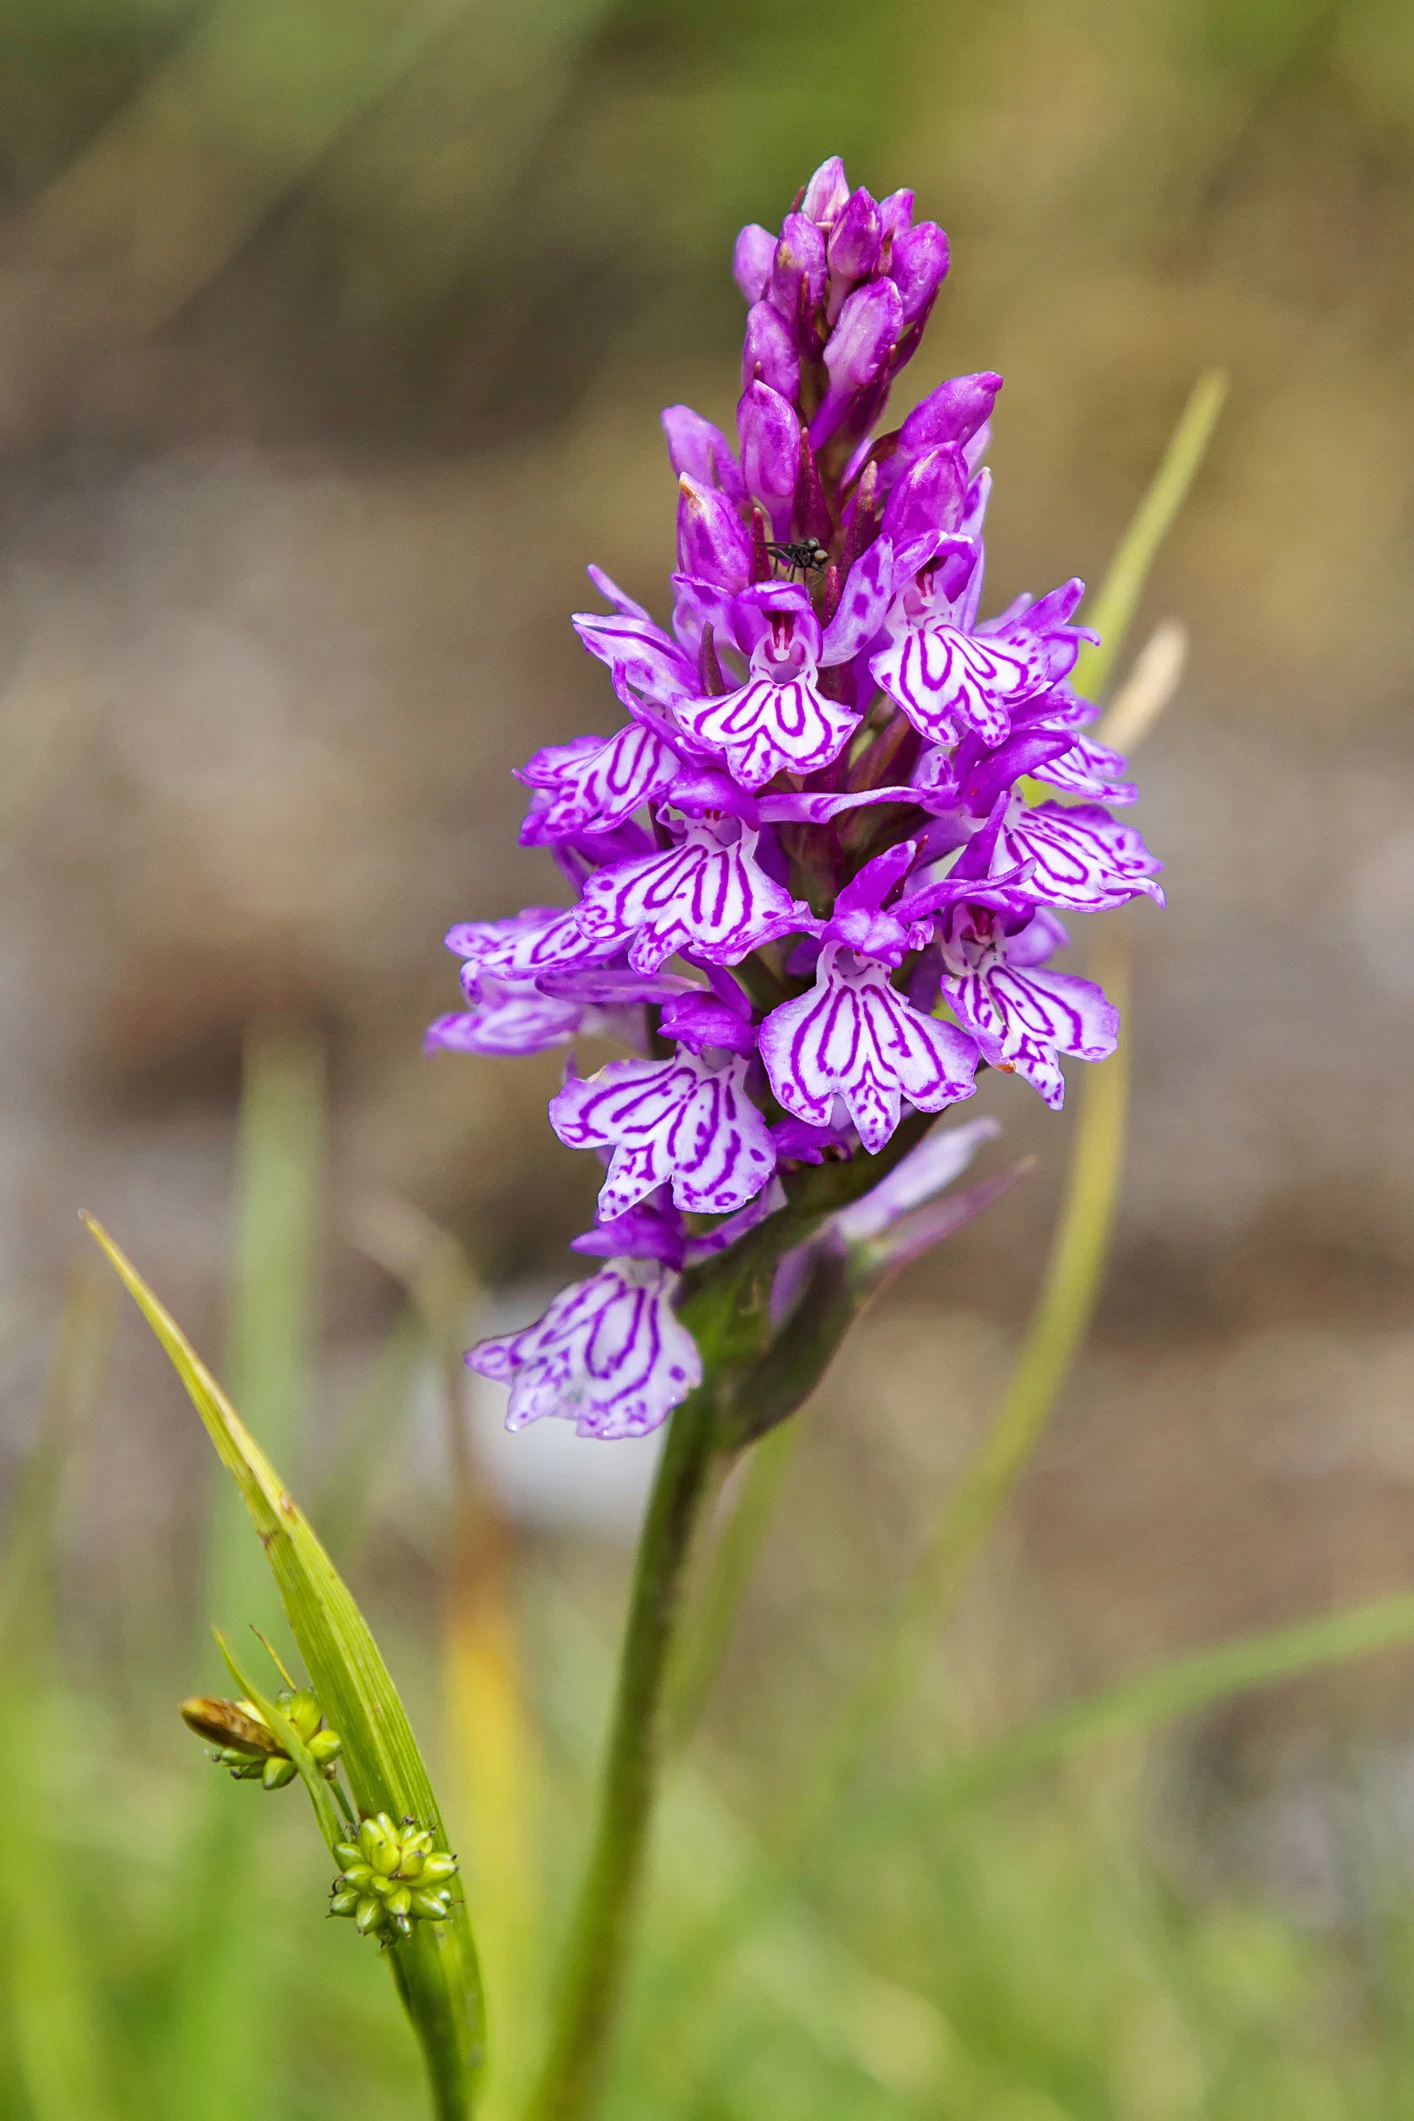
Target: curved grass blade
x: 436, y: 1968
x: 1112, y: 611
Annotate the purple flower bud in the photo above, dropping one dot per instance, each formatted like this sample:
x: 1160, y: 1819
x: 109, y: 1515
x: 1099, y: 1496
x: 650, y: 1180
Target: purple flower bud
x: 857, y: 352
x: 896, y: 214
x: 920, y: 261
x: 751, y: 262
x: 827, y: 194
x: 953, y: 412
x: 854, y: 241
x: 799, y: 262
x: 701, y: 450
x: 929, y: 497
x: 712, y: 539
x: 770, y: 452
x: 769, y: 354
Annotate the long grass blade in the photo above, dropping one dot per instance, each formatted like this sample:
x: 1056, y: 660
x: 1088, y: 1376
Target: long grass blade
x: 436, y: 1969
x: 1112, y: 611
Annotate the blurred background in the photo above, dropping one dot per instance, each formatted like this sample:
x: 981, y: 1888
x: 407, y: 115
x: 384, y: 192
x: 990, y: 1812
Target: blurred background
x: 333, y: 335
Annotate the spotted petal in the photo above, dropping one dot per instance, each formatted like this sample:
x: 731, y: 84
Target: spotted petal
x: 677, y: 1121
x: 769, y: 727
x: 855, y: 1038
x: 594, y: 787
x: 610, y: 1354
x: 709, y: 895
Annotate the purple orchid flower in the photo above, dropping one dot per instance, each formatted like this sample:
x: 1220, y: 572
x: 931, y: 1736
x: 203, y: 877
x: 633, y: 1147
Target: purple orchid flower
x: 826, y: 782
x: 948, y: 680
x: 594, y: 784
x: 609, y: 1355
x: 1022, y: 1016
x: 682, y: 1122
x: 855, y: 1038
x: 780, y: 720
x: 708, y: 895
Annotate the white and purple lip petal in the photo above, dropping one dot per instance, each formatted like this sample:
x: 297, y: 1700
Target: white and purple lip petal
x: 543, y: 939
x: 610, y: 1355
x: 708, y: 895
x: 946, y: 680
x: 853, y: 1037
x: 1022, y: 1020
x: 1084, y: 860
x: 595, y: 784
x: 681, y: 1121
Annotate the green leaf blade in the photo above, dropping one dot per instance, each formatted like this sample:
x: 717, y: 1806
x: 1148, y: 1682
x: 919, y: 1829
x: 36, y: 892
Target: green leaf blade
x: 436, y: 1968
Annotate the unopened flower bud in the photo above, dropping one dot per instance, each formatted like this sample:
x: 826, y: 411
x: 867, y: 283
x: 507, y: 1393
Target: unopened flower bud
x: 800, y: 261
x: 752, y: 260
x: 854, y: 243
x: 827, y: 194
x: 918, y: 267
x: 325, y: 1746
x: 713, y: 544
x: 769, y: 352
x: 279, y: 1770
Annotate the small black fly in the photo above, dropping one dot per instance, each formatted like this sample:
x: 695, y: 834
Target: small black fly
x: 807, y: 556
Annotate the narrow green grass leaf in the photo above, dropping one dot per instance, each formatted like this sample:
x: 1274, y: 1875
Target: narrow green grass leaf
x: 1112, y: 611
x: 436, y: 1968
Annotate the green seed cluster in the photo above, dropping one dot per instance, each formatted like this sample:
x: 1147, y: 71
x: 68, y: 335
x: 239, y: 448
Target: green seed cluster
x: 392, y: 1877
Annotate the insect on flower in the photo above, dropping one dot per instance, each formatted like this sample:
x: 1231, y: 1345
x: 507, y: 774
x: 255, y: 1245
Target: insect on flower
x: 805, y: 556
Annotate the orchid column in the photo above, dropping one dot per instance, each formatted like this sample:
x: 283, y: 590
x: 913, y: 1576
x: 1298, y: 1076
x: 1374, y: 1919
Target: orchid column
x: 813, y: 896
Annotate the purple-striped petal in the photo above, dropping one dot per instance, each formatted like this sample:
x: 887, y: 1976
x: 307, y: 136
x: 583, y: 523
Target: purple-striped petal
x: 539, y: 940
x: 679, y: 1122
x: 514, y: 1022
x: 639, y: 654
x: 610, y: 1354
x: 772, y: 726
x: 1021, y: 1019
x: 709, y: 895
x: 861, y: 609
x: 1085, y: 860
x: 946, y: 680
x: 855, y: 1038
x: 581, y: 789
x: 1089, y: 769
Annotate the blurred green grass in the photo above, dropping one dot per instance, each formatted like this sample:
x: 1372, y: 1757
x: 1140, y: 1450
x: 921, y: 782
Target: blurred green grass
x: 1030, y: 1953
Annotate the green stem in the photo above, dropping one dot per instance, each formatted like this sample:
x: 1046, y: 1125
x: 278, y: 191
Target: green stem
x: 592, y: 1987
